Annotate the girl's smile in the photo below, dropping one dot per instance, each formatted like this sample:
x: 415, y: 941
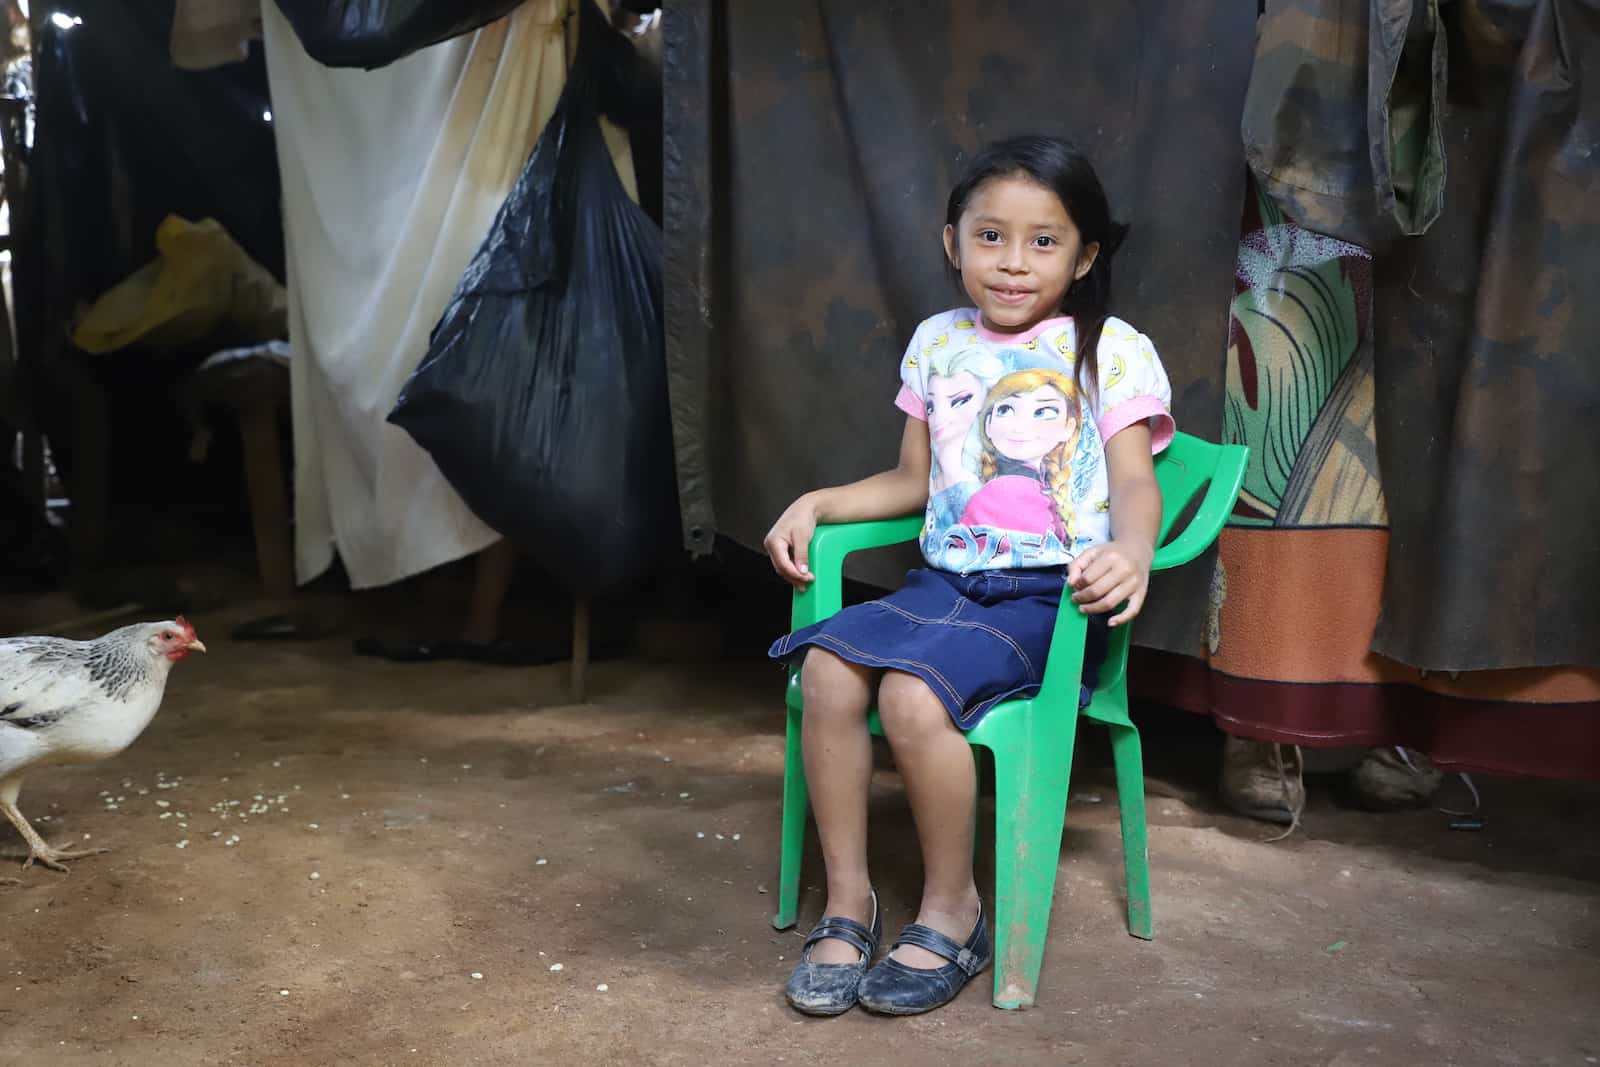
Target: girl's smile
x: 1010, y: 294
x: 1018, y: 251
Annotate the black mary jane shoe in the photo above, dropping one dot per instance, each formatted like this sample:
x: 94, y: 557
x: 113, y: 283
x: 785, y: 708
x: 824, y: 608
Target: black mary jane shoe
x: 830, y: 988
x: 892, y: 988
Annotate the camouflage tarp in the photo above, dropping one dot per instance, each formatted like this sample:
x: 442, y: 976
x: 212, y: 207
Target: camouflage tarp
x: 1488, y: 358
x: 1342, y: 121
x: 810, y: 149
x: 1485, y: 346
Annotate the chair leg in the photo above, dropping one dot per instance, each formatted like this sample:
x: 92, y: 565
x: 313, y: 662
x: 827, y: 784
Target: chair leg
x: 1135, y: 849
x: 1030, y: 808
x: 796, y: 806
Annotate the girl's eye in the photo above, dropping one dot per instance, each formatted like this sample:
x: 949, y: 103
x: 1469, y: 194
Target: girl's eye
x: 1049, y: 411
x: 1044, y: 241
x: 960, y: 400
x: 992, y: 236
x: 1003, y: 409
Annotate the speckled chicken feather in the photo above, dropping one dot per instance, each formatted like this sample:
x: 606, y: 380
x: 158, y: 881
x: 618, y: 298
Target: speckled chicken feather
x: 77, y: 702
x: 113, y: 663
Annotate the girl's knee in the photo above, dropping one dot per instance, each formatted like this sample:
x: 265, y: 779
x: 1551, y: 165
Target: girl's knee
x: 832, y: 684
x: 908, y: 708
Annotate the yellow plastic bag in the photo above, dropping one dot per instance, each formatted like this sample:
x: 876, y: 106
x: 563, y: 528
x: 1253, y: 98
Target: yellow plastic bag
x: 202, y: 284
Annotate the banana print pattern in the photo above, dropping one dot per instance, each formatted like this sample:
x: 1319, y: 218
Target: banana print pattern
x: 1118, y: 371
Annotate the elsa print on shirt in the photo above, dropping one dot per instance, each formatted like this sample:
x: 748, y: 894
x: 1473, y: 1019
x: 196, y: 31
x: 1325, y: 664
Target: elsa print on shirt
x: 958, y: 380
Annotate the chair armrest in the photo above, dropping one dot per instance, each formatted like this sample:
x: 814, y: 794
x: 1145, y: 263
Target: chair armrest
x: 829, y: 546
x: 1213, y: 514
x: 1063, y: 671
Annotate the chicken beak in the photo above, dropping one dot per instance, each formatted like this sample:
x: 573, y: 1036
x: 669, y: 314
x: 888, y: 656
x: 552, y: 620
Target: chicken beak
x: 197, y: 645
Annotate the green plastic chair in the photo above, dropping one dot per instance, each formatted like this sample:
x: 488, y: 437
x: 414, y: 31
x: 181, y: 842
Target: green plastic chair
x: 1031, y: 739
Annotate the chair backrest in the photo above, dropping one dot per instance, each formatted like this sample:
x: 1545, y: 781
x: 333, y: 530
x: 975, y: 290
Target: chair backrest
x: 1183, y: 470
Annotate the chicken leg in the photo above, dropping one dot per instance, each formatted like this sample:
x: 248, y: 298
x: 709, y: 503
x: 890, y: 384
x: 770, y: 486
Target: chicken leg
x: 38, y: 849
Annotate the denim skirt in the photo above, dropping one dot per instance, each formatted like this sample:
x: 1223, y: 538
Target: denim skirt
x: 975, y: 639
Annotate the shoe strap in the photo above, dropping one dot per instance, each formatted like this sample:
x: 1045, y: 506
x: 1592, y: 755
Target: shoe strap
x: 940, y: 945
x: 849, y: 931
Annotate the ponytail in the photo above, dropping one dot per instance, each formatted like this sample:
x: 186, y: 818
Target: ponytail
x: 1088, y: 301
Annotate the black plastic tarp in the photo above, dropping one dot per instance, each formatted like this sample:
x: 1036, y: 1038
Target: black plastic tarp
x: 543, y: 396
x: 375, y: 33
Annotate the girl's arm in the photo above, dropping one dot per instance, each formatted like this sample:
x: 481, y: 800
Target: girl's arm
x: 1106, y: 575
x: 901, y: 490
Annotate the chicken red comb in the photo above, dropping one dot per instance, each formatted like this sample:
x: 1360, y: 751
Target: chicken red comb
x: 183, y: 624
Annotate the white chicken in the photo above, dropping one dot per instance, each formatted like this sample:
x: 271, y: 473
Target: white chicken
x: 79, y: 702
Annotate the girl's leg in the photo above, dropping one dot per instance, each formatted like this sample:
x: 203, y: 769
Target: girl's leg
x: 941, y: 781
x: 838, y: 755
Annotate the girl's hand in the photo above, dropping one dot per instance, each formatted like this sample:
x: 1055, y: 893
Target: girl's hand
x: 788, y: 543
x: 1106, y: 575
x: 901, y: 490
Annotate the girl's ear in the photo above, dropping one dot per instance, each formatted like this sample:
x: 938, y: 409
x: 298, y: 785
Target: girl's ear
x: 950, y: 246
x: 1086, y: 260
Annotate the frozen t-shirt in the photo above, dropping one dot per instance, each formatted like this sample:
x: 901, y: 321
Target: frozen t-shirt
x: 1018, y: 477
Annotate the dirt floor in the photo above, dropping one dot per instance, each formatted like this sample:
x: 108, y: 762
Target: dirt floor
x: 323, y: 859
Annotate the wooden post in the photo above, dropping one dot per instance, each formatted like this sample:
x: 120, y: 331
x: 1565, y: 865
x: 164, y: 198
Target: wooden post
x: 254, y: 390
x: 580, y: 648
x: 269, y: 503
x: 88, y: 529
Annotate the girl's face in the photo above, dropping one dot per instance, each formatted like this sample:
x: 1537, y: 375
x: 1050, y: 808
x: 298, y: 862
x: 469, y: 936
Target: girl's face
x: 1026, y: 426
x: 1017, y: 250
x: 953, y: 404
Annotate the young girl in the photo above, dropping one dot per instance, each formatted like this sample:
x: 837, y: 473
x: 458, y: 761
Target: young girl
x: 1075, y: 405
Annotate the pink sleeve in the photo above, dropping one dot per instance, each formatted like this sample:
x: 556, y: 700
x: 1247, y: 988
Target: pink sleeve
x: 1139, y: 409
x: 909, y: 402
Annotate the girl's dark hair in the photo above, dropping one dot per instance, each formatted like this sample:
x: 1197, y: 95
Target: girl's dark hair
x: 1061, y: 167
